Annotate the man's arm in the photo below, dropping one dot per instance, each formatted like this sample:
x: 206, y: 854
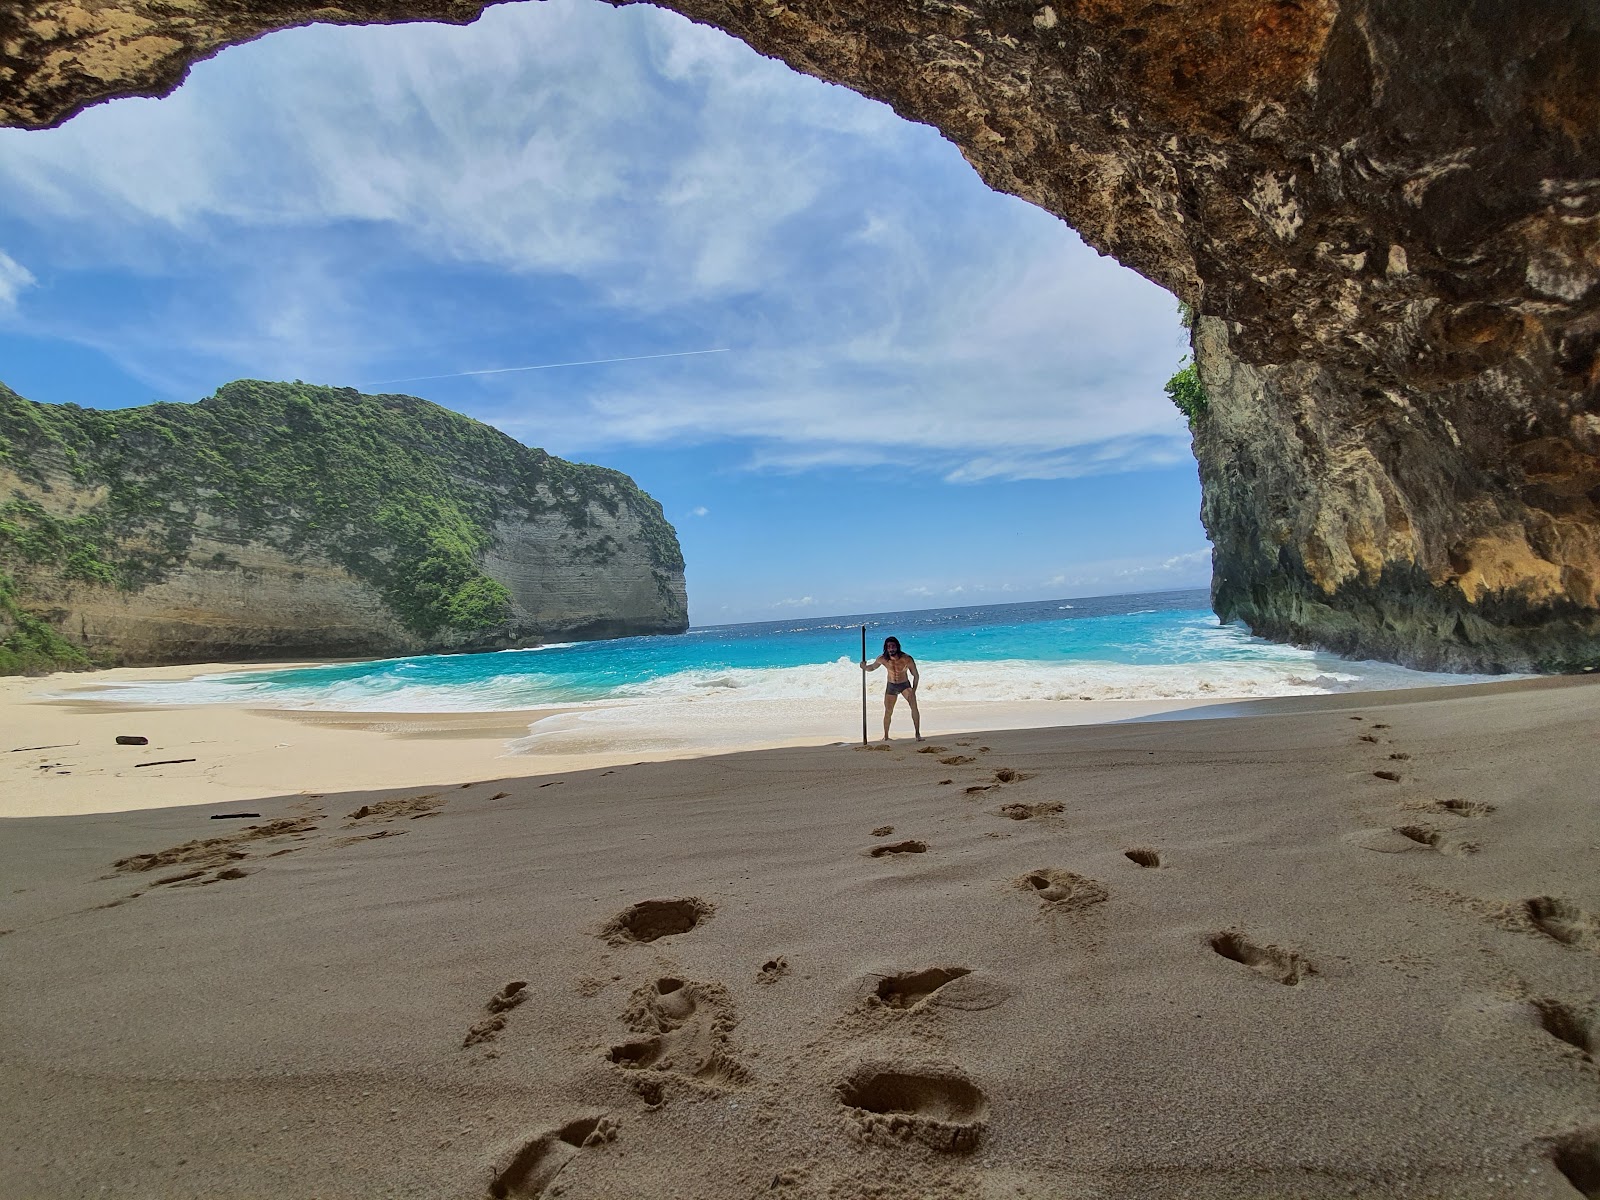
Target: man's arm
x: 873, y: 665
x: 916, y: 677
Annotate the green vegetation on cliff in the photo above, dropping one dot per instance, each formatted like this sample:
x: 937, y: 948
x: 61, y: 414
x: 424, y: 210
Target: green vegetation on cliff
x: 402, y: 493
x: 29, y: 645
x: 1186, y: 391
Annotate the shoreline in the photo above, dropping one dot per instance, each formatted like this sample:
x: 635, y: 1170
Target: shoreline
x: 63, y: 758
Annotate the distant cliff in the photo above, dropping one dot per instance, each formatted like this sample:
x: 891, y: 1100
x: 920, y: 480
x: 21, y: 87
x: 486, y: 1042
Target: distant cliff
x: 277, y: 520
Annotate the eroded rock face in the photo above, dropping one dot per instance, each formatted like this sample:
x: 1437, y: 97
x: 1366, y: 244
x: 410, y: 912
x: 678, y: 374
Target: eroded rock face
x: 276, y: 521
x: 1386, y: 212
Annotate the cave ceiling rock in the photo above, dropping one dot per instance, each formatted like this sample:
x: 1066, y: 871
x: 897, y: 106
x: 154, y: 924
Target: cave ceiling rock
x: 1386, y: 213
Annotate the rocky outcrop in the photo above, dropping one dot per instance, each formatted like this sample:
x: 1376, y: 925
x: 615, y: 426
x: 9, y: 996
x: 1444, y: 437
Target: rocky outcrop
x: 1385, y: 212
x: 275, y: 521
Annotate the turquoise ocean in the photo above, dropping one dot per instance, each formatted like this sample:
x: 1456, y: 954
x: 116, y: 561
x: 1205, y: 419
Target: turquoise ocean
x: 761, y: 681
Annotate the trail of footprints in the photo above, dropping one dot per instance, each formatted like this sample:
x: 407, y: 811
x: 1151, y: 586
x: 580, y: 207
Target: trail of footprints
x: 1575, y: 1155
x: 1413, y: 834
x: 1554, y: 917
x: 680, y: 1030
x: 204, y: 861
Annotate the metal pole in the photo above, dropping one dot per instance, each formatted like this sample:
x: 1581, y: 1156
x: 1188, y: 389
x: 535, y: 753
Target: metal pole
x: 863, y: 687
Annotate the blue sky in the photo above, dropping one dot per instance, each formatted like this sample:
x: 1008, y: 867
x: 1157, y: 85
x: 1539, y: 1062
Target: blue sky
x: 930, y: 394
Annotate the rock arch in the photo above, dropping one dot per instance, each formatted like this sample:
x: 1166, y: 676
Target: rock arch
x: 1385, y: 212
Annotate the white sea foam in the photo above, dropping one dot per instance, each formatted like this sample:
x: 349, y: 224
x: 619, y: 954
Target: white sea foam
x: 693, y: 712
x: 1021, y: 680
x: 387, y: 691
x: 733, y: 696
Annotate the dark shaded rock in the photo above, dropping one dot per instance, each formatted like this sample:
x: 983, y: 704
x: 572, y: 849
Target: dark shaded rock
x: 1386, y: 213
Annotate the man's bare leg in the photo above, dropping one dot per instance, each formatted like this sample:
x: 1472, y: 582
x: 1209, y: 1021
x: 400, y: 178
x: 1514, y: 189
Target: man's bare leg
x: 916, y: 716
x: 888, y: 709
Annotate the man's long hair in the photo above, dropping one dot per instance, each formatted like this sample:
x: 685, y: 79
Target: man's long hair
x: 886, y: 643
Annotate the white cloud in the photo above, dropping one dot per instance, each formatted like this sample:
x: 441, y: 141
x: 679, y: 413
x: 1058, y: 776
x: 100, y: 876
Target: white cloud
x: 14, y: 279
x: 1191, y: 568
x: 652, y: 173
x: 651, y: 156
x: 699, y: 510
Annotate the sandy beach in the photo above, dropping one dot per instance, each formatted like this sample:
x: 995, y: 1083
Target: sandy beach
x: 1327, y: 947
x: 60, y: 755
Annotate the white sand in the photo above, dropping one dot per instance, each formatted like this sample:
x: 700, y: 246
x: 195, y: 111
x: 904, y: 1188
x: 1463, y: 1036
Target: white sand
x: 60, y: 757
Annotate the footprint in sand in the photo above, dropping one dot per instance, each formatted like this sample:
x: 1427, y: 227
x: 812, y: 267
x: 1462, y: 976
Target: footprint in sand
x: 218, y: 851
x: 388, y: 810
x: 883, y: 831
x: 1391, y: 776
x: 1433, y: 839
x: 686, y: 1026
x: 1408, y: 838
x: 1061, y: 890
x: 1143, y: 856
x: 1284, y: 966
x: 909, y: 846
x: 937, y: 1106
x: 1577, y: 1157
x: 1421, y: 835
x: 911, y: 988
x: 1027, y: 812
x: 200, y: 878
x: 773, y: 969
x: 1461, y: 808
x: 651, y: 919
x: 534, y: 1167
x: 959, y: 988
x: 1563, y: 921
x: 957, y: 760
x: 496, y: 1009
x: 934, y: 750
x: 1570, y: 1024
x: 1368, y: 737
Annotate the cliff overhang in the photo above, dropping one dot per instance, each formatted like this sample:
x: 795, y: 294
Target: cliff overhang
x: 1385, y: 212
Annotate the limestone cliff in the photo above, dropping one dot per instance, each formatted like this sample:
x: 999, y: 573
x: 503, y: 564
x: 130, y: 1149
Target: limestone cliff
x: 1386, y: 212
x: 283, y: 520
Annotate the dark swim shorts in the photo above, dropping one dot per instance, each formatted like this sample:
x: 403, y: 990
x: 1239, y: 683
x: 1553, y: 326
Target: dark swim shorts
x: 894, y: 689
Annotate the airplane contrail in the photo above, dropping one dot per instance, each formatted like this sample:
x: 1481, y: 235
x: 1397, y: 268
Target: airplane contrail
x: 593, y: 362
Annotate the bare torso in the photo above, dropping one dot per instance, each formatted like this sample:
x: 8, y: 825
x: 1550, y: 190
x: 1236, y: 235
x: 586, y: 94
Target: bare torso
x: 899, y: 668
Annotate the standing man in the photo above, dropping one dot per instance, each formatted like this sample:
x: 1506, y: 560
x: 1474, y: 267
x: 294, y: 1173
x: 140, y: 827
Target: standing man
x: 903, y: 678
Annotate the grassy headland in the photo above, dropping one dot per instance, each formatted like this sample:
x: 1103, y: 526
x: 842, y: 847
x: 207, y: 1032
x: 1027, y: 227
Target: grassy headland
x: 402, y: 493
